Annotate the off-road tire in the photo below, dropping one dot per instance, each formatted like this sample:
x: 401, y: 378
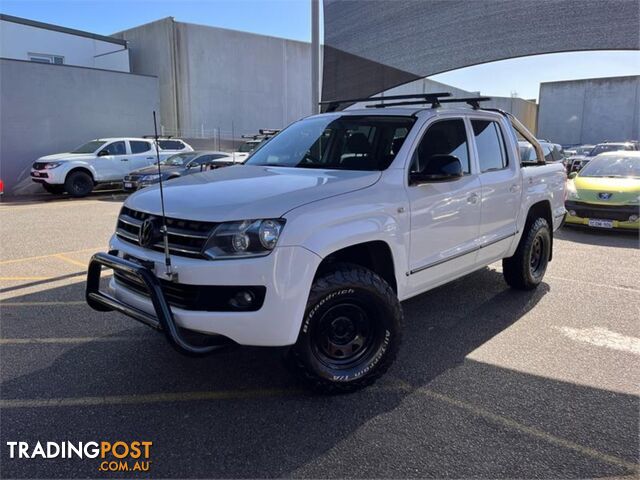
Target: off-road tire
x: 54, y: 189
x: 348, y: 298
x: 525, y: 270
x: 78, y: 184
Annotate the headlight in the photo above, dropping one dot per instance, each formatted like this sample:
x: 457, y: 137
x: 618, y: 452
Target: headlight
x: 150, y: 178
x: 51, y: 165
x: 248, y: 238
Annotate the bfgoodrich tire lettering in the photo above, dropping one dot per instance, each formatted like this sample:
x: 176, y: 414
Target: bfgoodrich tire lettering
x: 351, y: 330
x: 525, y: 270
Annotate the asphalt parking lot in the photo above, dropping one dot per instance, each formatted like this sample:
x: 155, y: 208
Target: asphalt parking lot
x: 489, y: 383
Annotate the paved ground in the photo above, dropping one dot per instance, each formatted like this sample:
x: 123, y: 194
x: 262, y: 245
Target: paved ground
x: 490, y: 382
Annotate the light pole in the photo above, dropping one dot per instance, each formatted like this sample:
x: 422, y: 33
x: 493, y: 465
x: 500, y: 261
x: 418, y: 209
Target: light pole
x: 315, y: 55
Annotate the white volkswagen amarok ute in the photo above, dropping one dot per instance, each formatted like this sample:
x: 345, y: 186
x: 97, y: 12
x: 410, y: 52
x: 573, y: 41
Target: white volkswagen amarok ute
x: 316, y: 240
x: 100, y: 161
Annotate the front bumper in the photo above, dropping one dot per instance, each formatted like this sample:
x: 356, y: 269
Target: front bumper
x: 50, y: 176
x: 618, y: 215
x: 287, y: 274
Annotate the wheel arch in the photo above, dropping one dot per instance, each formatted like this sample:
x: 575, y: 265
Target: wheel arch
x: 81, y: 169
x: 376, y: 255
x: 541, y: 209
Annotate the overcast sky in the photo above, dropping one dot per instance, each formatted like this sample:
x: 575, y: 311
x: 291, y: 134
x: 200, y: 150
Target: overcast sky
x: 291, y: 19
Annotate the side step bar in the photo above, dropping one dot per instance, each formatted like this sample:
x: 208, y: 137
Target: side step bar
x: 163, y: 319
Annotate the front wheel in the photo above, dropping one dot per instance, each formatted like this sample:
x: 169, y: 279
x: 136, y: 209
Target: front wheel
x: 525, y: 270
x: 350, y: 333
x: 78, y: 184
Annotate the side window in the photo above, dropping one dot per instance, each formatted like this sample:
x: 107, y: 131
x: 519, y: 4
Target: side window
x: 548, y: 153
x: 171, y: 144
x: 139, y: 146
x: 492, y: 154
x: 445, y: 137
x: 116, y: 148
x: 202, y: 160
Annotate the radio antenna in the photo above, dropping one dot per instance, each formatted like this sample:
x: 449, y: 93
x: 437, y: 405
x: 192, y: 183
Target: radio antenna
x: 165, y: 233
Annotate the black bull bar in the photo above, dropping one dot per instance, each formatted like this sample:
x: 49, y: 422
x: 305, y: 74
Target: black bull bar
x: 162, y: 320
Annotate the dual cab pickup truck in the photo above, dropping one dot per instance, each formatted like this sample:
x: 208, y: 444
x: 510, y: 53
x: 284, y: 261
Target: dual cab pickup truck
x: 100, y: 161
x: 316, y: 240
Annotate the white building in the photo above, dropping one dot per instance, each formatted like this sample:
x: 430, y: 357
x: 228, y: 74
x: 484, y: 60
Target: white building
x: 22, y: 39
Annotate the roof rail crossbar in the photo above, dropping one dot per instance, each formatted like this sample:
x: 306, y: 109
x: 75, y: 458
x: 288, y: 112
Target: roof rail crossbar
x: 436, y: 102
x: 332, y: 105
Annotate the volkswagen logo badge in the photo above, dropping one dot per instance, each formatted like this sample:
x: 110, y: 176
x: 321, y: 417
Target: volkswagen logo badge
x: 147, y: 234
x: 604, y: 195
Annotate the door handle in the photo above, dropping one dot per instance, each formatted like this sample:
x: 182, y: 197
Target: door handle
x: 473, y: 198
x: 514, y: 188
x: 151, y: 158
x: 124, y: 159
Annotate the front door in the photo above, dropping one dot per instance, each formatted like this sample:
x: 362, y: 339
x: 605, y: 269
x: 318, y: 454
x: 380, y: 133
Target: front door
x: 445, y: 216
x: 112, y: 163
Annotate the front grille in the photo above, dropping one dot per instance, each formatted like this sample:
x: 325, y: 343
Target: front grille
x: 39, y: 165
x: 197, y: 297
x: 603, y: 212
x: 186, y: 237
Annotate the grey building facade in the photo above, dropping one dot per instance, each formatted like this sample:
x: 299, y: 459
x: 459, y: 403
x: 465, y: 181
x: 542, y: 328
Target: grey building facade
x: 216, y: 82
x: 49, y: 109
x: 590, y: 111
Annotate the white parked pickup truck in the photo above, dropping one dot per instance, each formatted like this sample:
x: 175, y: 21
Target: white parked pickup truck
x: 316, y: 240
x: 100, y: 161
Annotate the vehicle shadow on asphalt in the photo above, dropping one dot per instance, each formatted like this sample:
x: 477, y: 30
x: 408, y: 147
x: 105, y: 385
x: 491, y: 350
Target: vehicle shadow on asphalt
x: 397, y: 429
x: 601, y: 238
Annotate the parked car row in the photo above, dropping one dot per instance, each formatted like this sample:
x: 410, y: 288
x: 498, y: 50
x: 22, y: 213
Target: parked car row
x: 584, y: 153
x: 131, y: 162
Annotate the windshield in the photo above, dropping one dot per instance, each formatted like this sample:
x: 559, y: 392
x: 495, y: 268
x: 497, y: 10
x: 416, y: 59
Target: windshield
x: 612, y: 166
x: 89, y: 147
x: 343, y: 143
x: 608, y: 147
x: 178, y: 160
x: 248, y: 147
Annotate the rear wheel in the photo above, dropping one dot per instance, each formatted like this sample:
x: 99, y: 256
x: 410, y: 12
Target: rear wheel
x: 55, y: 189
x: 528, y: 265
x: 351, y: 331
x: 78, y: 184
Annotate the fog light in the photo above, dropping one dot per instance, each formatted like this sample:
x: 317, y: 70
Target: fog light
x: 633, y: 218
x: 572, y: 213
x: 242, y: 299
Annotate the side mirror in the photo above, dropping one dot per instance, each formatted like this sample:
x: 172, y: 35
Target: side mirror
x: 572, y: 175
x: 103, y: 153
x: 439, y: 168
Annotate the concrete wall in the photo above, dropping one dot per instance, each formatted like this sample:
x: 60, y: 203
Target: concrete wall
x: 524, y: 110
x: 214, y: 80
x: 590, y: 111
x: 17, y: 41
x: 48, y: 109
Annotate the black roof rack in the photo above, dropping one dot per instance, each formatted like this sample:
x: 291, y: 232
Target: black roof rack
x: 332, y: 105
x: 436, y: 102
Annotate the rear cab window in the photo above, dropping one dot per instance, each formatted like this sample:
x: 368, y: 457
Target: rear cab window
x: 490, y: 145
x: 171, y: 144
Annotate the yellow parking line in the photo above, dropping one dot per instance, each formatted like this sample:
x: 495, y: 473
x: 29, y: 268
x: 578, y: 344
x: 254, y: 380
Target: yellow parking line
x: 26, y: 259
x: 146, y: 398
x: 530, y: 431
x: 65, y: 340
x: 40, y: 304
x: 70, y: 260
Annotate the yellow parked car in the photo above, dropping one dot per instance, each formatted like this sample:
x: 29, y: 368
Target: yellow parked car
x: 606, y: 192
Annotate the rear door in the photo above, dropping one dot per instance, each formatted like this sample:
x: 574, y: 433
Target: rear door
x: 501, y: 186
x: 445, y: 216
x: 142, y: 154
